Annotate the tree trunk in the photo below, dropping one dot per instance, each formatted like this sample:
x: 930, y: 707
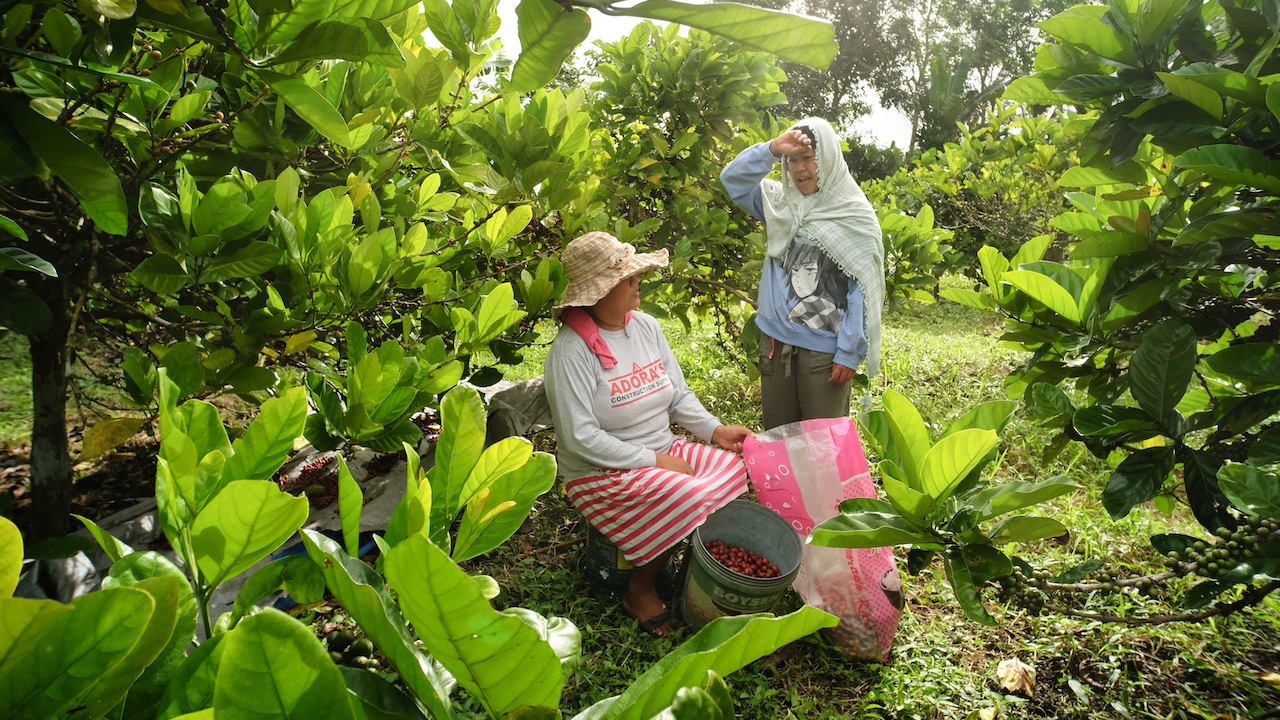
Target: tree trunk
x: 50, y: 458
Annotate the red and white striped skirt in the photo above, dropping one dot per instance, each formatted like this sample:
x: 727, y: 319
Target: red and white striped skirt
x: 647, y: 510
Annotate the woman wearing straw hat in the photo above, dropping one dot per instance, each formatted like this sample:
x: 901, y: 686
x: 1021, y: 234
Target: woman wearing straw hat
x: 614, y: 388
x: 823, y: 281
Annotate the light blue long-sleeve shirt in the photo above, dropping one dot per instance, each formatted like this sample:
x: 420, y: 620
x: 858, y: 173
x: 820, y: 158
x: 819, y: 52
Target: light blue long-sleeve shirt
x: 819, y: 325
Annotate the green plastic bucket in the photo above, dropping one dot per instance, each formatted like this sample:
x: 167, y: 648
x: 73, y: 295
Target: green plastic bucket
x: 713, y: 590
x: 607, y: 573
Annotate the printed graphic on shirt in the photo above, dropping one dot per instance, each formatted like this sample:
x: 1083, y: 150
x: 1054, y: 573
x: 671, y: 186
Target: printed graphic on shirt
x: 817, y: 291
x: 638, y: 384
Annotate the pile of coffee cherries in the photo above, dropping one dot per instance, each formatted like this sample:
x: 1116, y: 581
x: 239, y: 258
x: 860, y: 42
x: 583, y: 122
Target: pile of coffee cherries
x: 741, y: 561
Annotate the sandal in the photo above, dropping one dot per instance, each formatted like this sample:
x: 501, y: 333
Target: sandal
x: 655, y: 622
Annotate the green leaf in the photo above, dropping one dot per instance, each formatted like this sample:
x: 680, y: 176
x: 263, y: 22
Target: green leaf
x: 161, y: 274
x: 1109, y: 244
x: 380, y: 700
x: 969, y: 298
x: 10, y: 558
x: 462, y: 431
x: 497, y: 460
x: 1162, y: 366
x: 911, y: 503
x: 962, y: 583
x: 498, y: 311
x: 1193, y: 92
x: 1083, y: 28
x: 1046, y: 290
x: 1128, y: 173
x: 111, y: 545
x: 499, y: 659
x: 362, y: 592
x: 311, y: 106
x: 725, y: 645
x: 1110, y: 420
x: 295, y: 574
x: 89, y: 178
x: 952, y: 459
x: 251, y: 260
x: 274, y: 667
x: 1255, y: 363
x: 242, y: 524
x: 1200, y: 480
x: 1235, y: 164
x: 266, y: 444
x: 59, y: 659
x: 560, y: 633
x: 1137, y: 480
x: 910, y: 438
x: 1252, y: 490
x: 12, y: 258
x: 867, y: 529
x: 793, y: 38
x: 993, y: 415
x: 986, y: 562
x: 21, y: 310
x: 12, y: 228
x: 548, y: 34
x: 481, y: 532
x: 1009, y: 497
x: 191, y: 685
x: 358, y: 39
x: 350, y: 502
x: 1026, y: 528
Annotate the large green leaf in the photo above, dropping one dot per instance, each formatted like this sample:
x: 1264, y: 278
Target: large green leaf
x: 912, y: 504
x: 867, y: 529
x: 1162, y: 366
x: 952, y: 459
x: 1200, y: 481
x: 1026, y: 528
x: 497, y: 460
x: 1255, y: 363
x: 726, y: 644
x: 45, y: 674
x: 992, y: 415
x: 497, y: 657
x: 295, y: 574
x: 1046, y: 290
x: 358, y: 39
x: 462, y: 421
x: 362, y: 592
x: 548, y: 34
x: 962, y: 583
x: 1253, y: 490
x: 1006, y: 498
x: 281, y: 27
x: 23, y: 620
x: 909, y: 436
x: 498, y: 311
x: 21, y: 310
x: 266, y: 444
x: 350, y: 502
x: 1083, y: 28
x: 1193, y: 92
x: 252, y: 260
x: 1137, y: 480
x: 10, y: 557
x: 379, y: 699
x: 274, y: 667
x: 1110, y: 420
x: 791, y: 37
x: 12, y: 258
x: 191, y: 686
x: 242, y: 524
x: 482, y: 530
x: 112, y: 687
x: 1235, y: 164
x: 311, y: 106
x: 93, y: 182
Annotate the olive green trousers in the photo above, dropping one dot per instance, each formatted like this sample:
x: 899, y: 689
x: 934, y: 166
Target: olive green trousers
x: 793, y: 384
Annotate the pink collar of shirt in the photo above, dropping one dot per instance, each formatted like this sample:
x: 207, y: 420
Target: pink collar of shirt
x: 581, y: 322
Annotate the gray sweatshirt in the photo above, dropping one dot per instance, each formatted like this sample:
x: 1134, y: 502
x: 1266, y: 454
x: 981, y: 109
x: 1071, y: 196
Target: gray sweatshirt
x: 618, y: 418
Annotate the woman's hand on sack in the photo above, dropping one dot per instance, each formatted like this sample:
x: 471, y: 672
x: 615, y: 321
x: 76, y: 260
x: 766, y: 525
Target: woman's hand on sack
x: 674, y: 464
x: 840, y: 374
x: 789, y: 143
x: 730, y: 437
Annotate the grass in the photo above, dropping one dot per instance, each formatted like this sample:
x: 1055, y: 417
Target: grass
x: 15, y: 390
x: 945, y: 358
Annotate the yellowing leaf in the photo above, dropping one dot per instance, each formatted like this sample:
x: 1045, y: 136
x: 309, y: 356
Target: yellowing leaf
x: 1015, y: 676
x: 107, y: 434
x: 645, y: 163
x: 299, y: 342
x: 655, y: 179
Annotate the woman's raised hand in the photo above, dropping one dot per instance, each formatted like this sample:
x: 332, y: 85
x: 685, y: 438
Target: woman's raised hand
x: 789, y: 142
x: 674, y: 464
x: 730, y: 437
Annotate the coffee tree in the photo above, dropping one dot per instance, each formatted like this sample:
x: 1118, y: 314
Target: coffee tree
x: 224, y: 188
x: 1154, y: 344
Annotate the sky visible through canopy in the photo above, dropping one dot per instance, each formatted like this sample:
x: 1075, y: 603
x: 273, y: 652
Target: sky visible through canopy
x: 883, y: 126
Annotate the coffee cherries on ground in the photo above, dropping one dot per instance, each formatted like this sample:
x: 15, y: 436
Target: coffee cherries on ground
x: 741, y: 561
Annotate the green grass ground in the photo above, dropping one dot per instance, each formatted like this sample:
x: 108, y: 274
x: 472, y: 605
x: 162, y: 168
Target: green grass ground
x: 946, y: 358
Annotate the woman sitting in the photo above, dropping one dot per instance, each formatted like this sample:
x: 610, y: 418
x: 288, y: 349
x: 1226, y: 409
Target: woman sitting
x: 614, y: 388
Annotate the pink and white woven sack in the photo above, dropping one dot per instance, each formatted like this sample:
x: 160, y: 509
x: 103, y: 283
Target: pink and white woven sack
x: 803, y: 471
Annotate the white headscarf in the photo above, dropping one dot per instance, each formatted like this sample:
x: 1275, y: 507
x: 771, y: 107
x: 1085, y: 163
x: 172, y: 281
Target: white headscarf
x: 839, y: 218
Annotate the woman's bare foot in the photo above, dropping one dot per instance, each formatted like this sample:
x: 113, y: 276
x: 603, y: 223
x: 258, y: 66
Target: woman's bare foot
x: 654, y: 616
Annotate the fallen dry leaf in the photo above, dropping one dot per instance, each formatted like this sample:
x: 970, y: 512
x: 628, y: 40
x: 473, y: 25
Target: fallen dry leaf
x: 1015, y: 676
x: 1272, y: 678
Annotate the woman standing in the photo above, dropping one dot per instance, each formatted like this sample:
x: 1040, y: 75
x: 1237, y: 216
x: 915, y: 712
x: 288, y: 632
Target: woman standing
x: 614, y: 388
x: 823, y: 282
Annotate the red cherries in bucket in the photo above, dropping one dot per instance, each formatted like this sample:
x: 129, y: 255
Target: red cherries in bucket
x: 741, y: 560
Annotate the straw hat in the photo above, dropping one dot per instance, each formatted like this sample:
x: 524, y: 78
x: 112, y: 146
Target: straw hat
x: 596, y: 262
